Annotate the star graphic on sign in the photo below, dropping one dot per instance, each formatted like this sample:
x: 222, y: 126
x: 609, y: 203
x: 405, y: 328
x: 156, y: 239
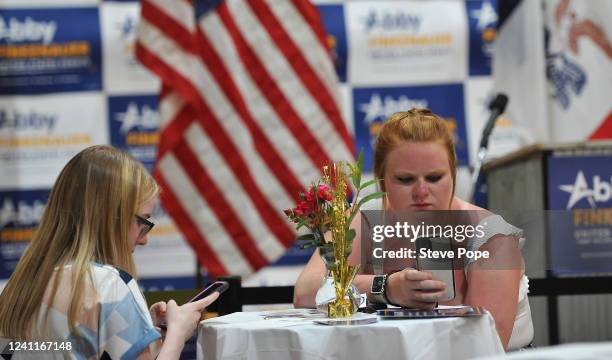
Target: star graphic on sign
x: 578, y: 191
x: 486, y: 15
x: 127, y: 27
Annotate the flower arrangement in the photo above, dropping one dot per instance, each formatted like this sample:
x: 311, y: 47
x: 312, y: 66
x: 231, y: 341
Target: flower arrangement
x: 314, y: 208
x: 325, y: 207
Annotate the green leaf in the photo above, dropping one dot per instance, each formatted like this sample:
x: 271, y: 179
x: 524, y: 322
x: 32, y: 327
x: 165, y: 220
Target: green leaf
x: 372, y: 196
x: 368, y: 183
x: 309, y: 237
x: 350, y: 235
x: 306, y: 245
x: 357, y: 170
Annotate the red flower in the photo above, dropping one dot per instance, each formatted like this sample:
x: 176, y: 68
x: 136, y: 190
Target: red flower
x: 324, y: 193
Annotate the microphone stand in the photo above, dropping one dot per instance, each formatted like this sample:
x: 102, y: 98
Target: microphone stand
x: 497, y: 107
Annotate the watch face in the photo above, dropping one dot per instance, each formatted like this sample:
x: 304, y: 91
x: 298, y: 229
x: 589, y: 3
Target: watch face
x: 378, y: 284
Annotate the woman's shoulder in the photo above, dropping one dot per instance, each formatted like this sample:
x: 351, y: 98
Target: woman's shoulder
x: 113, y: 283
x: 459, y: 204
x: 492, y: 223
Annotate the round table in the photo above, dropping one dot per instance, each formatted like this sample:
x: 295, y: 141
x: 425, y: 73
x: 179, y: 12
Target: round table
x: 249, y: 335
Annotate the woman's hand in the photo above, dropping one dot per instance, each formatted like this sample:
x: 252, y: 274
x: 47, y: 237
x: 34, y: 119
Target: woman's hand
x: 158, y: 314
x: 182, y: 320
x: 415, y: 289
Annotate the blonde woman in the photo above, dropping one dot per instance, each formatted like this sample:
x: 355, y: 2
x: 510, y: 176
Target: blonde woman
x: 73, y: 286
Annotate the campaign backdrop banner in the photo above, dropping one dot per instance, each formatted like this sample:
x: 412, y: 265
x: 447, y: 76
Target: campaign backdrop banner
x: 134, y: 126
x: 69, y: 79
x: 20, y: 214
x: 39, y: 134
x: 372, y: 106
x: 47, y: 50
x: 399, y: 42
x: 580, y: 236
x: 123, y: 74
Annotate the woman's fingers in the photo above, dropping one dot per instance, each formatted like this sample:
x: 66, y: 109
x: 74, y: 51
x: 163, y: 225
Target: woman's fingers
x: 430, y: 285
x: 428, y: 297
x: 415, y: 275
x: 171, y: 304
x: 158, y: 312
x: 200, y: 305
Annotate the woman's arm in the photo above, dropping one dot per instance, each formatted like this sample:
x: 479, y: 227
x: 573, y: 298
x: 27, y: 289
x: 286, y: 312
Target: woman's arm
x: 408, y: 287
x: 182, y: 321
x: 494, y: 283
x: 310, y: 279
x: 308, y: 282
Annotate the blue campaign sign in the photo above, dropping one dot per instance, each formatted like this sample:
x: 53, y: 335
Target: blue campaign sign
x: 580, y: 225
x: 49, y: 50
x: 579, y: 182
x: 482, y: 20
x: 20, y: 214
x: 334, y: 24
x: 372, y: 106
x: 134, y: 126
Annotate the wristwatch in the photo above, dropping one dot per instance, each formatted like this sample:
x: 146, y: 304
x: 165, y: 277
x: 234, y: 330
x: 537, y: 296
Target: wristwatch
x: 379, y: 285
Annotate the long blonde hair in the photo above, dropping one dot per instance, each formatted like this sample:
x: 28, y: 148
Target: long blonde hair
x: 416, y: 125
x: 90, y: 209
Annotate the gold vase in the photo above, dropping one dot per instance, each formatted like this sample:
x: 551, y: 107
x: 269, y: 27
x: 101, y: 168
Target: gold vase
x: 343, y: 274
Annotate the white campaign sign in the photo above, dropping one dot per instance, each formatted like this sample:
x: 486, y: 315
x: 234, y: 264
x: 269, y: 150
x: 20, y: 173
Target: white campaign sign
x: 38, y: 135
x: 123, y: 74
x: 400, y: 42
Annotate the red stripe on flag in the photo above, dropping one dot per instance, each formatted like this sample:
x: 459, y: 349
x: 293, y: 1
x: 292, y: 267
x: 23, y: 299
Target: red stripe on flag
x: 166, y: 24
x: 206, y: 256
x: 172, y: 134
x: 272, y: 92
x: 164, y: 91
x: 302, y: 69
x: 311, y: 15
x: 604, y: 131
x: 225, y: 214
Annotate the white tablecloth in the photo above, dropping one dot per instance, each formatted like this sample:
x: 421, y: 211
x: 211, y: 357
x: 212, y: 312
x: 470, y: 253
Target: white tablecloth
x: 582, y: 351
x: 248, y: 335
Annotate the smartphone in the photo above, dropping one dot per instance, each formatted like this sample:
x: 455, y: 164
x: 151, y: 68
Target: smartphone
x: 436, y: 255
x: 218, y: 286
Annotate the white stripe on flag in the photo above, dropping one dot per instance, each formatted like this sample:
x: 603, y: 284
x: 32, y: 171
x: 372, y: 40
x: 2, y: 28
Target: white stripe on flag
x: 277, y: 66
x: 202, y: 216
x: 261, y: 110
x: 240, y: 202
x: 157, y: 42
x: 179, y: 10
x: 310, y: 47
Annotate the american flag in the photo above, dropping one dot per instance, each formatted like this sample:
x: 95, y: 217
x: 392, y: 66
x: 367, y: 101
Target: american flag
x: 250, y: 112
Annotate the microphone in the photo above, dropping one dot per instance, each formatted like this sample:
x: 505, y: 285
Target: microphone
x: 497, y: 107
